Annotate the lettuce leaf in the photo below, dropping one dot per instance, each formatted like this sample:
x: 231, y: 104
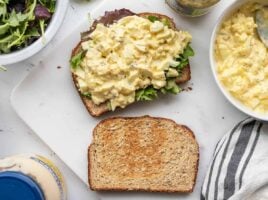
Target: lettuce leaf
x: 146, y: 94
x: 77, y: 59
x: 164, y: 20
x: 183, y: 58
x: 153, y: 18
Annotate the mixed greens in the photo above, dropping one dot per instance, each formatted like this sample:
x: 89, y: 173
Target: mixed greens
x: 22, y: 22
x: 150, y: 93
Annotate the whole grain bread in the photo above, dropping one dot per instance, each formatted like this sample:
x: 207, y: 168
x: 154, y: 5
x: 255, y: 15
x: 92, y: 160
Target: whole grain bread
x: 97, y: 110
x: 142, y: 154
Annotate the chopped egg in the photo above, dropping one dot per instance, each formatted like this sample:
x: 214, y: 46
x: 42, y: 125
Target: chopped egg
x: 242, y: 59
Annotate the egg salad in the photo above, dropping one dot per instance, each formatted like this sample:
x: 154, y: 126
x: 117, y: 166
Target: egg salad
x: 131, y: 60
x: 242, y: 59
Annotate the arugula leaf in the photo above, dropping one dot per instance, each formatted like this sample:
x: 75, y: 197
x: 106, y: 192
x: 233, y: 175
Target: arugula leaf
x: 32, y: 33
x: 19, y: 34
x: 3, y: 8
x: 30, y: 9
x: 4, y: 1
x: 4, y: 28
x: 153, y: 18
x: 77, y: 59
x: 146, y: 94
x: 15, y: 19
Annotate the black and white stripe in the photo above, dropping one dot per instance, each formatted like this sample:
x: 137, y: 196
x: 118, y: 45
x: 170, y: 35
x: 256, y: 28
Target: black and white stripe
x: 231, y: 157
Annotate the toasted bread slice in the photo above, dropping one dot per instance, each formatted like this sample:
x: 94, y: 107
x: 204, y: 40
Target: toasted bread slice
x: 97, y: 110
x: 142, y: 154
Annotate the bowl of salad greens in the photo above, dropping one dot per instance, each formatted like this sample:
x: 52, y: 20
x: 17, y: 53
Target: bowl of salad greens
x: 27, y: 26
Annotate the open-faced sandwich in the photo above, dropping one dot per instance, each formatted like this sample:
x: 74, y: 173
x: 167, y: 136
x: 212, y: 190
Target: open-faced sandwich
x: 127, y: 57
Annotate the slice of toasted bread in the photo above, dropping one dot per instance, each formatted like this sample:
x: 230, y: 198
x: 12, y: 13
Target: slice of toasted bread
x: 97, y: 110
x: 142, y: 154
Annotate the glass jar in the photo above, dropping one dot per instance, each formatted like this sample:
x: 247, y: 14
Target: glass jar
x: 30, y: 177
x: 192, y: 8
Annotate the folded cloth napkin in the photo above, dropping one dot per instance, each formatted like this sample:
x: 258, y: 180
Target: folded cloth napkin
x: 239, y: 168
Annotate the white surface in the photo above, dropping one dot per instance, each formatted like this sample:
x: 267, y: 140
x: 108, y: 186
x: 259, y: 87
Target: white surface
x: 49, y: 104
x: 54, y: 25
x: 213, y: 65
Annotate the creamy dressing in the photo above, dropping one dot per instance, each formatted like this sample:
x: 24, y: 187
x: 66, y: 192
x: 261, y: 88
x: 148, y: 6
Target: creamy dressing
x: 46, y: 175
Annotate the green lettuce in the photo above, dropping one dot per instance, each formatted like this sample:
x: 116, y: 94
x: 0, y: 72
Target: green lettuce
x: 150, y: 93
x: 183, y: 59
x: 146, y: 94
x: 164, y: 20
x: 153, y: 18
x: 77, y: 59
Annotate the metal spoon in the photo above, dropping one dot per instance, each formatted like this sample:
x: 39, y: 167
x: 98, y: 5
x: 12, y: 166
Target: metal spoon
x: 262, y: 23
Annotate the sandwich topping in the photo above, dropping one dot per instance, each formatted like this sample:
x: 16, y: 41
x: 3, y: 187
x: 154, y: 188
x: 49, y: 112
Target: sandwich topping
x: 242, y: 59
x: 131, y: 60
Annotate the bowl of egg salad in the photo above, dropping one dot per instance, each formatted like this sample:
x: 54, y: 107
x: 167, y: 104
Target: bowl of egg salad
x: 239, y: 58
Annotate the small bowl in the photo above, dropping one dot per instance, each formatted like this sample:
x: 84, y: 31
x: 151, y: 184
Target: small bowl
x: 227, y: 12
x: 51, y: 30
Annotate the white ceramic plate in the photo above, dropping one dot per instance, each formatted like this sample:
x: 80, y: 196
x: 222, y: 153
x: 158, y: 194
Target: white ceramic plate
x: 213, y: 65
x: 48, y: 102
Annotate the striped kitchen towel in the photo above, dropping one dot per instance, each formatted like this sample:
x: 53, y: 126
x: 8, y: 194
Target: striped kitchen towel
x: 239, y: 168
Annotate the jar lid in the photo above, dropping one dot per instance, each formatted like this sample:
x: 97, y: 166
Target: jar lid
x: 17, y: 186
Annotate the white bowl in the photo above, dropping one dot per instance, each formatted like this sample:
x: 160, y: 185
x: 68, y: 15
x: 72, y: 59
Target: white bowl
x: 54, y: 25
x: 228, y: 11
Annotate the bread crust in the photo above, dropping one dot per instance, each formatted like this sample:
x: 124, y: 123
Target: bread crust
x: 91, y: 185
x: 98, y: 110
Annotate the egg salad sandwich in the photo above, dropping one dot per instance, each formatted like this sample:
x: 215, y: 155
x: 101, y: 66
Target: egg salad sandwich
x: 127, y: 57
x: 142, y: 154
